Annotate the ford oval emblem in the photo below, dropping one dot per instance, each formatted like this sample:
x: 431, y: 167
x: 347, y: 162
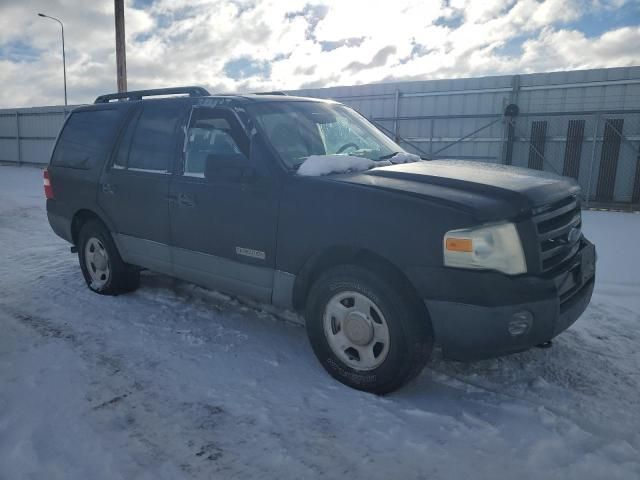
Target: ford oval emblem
x: 574, y: 235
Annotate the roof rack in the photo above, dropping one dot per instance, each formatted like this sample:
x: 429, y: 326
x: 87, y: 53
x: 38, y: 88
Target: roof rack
x: 138, y: 94
x: 270, y: 93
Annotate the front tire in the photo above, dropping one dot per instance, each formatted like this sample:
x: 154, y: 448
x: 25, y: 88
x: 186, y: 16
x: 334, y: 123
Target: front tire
x: 102, y: 267
x: 366, y: 332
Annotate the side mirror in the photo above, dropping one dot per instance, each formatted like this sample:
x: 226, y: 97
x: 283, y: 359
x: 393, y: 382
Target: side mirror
x: 233, y: 167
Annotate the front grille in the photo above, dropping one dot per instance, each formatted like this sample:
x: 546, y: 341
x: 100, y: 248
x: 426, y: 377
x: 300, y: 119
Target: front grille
x: 558, y: 241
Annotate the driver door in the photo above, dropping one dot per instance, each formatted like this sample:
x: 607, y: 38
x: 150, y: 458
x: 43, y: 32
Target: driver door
x: 223, y: 226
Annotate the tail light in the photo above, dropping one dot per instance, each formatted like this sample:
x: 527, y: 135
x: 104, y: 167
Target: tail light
x: 48, y: 190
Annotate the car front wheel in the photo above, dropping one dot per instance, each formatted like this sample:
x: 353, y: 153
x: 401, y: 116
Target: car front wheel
x: 366, y: 332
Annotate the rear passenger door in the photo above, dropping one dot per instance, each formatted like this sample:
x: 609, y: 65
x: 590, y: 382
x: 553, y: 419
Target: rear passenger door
x: 134, y: 187
x: 83, y: 147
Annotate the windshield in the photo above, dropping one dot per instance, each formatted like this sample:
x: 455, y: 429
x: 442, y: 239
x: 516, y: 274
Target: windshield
x: 300, y: 129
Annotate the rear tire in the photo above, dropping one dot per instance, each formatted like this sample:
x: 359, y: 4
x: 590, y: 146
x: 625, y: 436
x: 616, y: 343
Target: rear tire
x: 366, y: 332
x: 102, y: 267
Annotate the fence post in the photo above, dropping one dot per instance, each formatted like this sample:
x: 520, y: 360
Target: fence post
x: 506, y: 149
x: 593, y: 158
x: 18, y: 149
x: 431, y: 122
x: 396, y: 108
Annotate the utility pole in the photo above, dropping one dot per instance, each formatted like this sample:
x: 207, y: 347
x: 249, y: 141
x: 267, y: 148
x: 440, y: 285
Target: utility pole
x: 121, y: 54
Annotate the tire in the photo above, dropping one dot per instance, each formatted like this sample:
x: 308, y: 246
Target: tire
x: 375, y: 312
x: 104, y: 273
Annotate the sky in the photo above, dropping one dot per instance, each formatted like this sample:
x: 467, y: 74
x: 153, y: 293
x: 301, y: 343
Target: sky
x: 261, y: 45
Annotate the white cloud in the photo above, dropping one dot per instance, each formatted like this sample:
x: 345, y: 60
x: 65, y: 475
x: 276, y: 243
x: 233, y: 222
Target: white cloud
x: 248, y: 45
x: 560, y: 47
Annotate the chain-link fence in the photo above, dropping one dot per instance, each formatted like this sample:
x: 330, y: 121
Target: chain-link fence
x: 600, y: 149
x: 583, y: 124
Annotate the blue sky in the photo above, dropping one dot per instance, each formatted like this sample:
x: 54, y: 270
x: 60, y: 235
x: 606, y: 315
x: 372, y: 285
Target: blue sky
x: 19, y: 51
x: 251, y: 45
x: 594, y: 23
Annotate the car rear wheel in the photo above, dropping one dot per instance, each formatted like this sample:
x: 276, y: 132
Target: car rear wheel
x: 366, y: 332
x: 101, y: 264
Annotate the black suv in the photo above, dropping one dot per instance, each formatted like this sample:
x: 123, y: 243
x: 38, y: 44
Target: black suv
x: 304, y: 204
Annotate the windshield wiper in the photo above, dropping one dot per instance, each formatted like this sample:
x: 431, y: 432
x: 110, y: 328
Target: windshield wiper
x: 388, y: 156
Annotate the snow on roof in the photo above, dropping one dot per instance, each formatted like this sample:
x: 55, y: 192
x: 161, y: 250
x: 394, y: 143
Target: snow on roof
x: 318, y: 165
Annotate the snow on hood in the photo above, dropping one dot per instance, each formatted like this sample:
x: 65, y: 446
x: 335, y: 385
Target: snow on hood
x: 318, y: 165
x: 405, y: 157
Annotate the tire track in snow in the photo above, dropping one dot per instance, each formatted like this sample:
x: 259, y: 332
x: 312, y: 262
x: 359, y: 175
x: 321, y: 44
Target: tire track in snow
x: 124, y: 396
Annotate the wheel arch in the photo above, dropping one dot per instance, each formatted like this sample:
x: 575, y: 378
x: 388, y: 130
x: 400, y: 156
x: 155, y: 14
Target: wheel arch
x: 341, y: 255
x: 80, y: 218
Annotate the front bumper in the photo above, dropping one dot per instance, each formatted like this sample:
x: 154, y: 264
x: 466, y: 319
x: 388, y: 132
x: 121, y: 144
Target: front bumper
x: 471, y: 311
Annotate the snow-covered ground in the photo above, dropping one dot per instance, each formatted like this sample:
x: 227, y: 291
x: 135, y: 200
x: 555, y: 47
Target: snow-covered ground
x: 175, y: 382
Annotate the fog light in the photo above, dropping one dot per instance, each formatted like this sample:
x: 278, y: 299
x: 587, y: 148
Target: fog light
x: 520, y: 323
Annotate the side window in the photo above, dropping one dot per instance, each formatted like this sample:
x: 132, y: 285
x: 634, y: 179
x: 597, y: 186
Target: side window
x: 153, y: 138
x: 120, y: 159
x: 86, y: 139
x: 212, y: 131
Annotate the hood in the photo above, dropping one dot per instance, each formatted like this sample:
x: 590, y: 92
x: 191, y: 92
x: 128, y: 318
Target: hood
x: 488, y: 191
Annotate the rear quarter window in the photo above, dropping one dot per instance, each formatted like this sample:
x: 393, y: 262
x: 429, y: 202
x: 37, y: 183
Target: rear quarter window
x: 87, y: 139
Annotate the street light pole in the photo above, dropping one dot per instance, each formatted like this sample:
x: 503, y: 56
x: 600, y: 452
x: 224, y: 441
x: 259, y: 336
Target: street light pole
x: 64, y: 60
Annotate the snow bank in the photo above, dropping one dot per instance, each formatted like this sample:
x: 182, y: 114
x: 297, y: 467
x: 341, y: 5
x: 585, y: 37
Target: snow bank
x: 318, y: 165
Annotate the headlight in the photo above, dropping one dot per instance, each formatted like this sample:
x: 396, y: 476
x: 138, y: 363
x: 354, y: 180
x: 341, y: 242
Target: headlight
x: 490, y: 247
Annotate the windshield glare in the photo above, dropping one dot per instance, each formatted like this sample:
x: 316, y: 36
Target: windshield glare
x: 300, y: 129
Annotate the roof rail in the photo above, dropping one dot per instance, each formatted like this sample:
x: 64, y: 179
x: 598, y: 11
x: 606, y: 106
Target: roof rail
x: 138, y: 94
x: 270, y: 93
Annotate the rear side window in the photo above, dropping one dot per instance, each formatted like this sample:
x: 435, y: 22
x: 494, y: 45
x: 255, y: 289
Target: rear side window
x: 120, y: 160
x: 86, y: 139
x: 153, y: 143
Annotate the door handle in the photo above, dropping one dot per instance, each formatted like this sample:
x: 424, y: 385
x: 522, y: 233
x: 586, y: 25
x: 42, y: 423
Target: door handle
x: 107, y: 188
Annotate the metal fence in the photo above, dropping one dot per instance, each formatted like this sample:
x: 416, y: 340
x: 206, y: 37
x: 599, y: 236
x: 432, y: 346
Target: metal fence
x: 584, y: 124
x: 27, y: 134
x: 600, y: 149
